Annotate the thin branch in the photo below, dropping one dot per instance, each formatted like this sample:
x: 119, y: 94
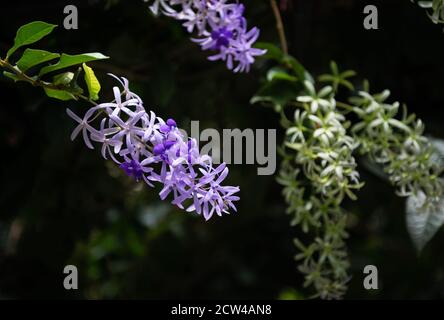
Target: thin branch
x: 39, y: 83
x: 279, y: 26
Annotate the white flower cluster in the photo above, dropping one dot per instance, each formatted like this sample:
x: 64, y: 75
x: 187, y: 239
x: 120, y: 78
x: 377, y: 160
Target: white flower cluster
x: 324, y: 151
x: 324, y: 148
x: 322, y: 171
x: 399, y: 145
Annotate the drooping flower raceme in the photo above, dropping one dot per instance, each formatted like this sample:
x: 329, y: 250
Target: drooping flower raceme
x: 324, y: 154
x: 399, y: 145
x: 149, y: 149
x: 220, y: 27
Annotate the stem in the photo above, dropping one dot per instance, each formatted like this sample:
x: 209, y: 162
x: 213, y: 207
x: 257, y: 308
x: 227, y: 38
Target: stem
x: 39, y: 83
x: 279, y: 26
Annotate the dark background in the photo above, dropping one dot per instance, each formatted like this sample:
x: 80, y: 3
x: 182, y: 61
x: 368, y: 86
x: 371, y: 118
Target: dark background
x: 60, y: 203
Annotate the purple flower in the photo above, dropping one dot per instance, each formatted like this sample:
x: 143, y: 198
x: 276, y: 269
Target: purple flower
x: 222, y: 37
x: 133, y: 169
x: 220, y: 27
x: 171, y: 123
x: 148, y: 148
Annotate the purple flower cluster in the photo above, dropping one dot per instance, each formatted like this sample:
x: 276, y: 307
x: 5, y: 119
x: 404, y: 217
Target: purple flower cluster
x: 153, y: 150
x: 220, y: 27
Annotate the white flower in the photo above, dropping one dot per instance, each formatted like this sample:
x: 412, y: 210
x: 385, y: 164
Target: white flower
x: 316, y: 100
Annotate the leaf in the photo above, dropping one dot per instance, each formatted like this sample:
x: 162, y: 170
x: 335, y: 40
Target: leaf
x: 11, y: 75
x: 63, y: 79
x: 91, y: 82
x: 33, y: 57
x: 280, y: 74
x: 59, y: 94
x: 298, y: 68
x: 334, y: 67
x: 67, y: 60
x: 273, y: 52
x: 67, y: 80
x: 30, y: 33
x: 437, y: 155
x: 423, y: 221
x: 278, y: 93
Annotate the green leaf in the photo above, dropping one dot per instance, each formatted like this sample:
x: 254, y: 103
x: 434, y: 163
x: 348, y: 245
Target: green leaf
x: 33, y: 57
x: 63, y: 79
x: 337, y: 78
x: 298, y: 68
x: 67, y: 60
x: 30, y: 33
x: 273, y: 52
x: 280, y: 74
x: 277, y: 93
x: 92, y: 83
x: 67, y: 81
x: 11, y: 75
x: 422, y: 221
x: 59, y: 94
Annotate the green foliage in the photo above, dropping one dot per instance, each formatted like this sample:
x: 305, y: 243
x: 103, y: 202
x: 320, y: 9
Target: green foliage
x: 273, y: 52
x: 30, y: 33
x: 279, y: 73
x: 319, y: 169
x: 292, y: 64
x: 337, y: 78
x: 283, y: 81
x: 92, y: 83
x: 59, y: 94
x: 63, y: 79
x: 67, y: 60
x: 276, y: 93
x: 33, y: 57
x: 119, y: 241
x: 64, y: 85
x: 11, y: 75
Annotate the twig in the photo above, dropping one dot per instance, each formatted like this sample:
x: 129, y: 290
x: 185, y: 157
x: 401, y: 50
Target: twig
x: 39, y: 83
x: 279, y: 26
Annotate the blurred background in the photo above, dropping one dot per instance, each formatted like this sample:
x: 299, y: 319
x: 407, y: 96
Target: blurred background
x: 60, y: 203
